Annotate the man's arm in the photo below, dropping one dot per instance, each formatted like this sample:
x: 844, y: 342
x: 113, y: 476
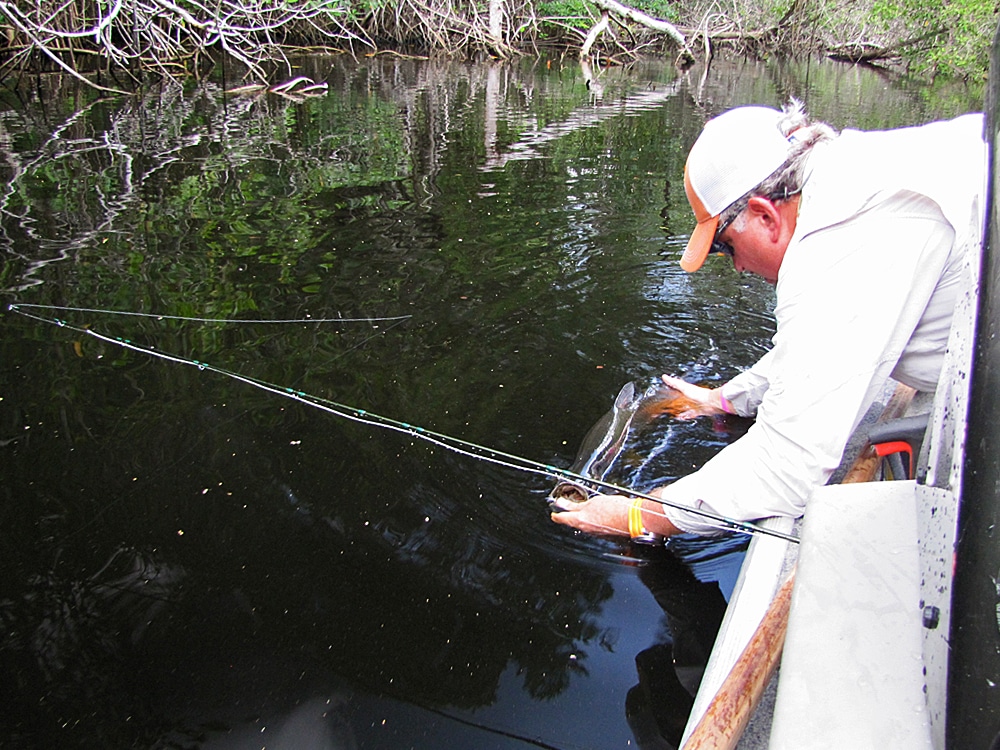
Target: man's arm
x: 857, y: 294
x: 849, y: 299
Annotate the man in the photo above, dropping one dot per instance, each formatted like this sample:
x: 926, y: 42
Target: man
x: 865, y: 236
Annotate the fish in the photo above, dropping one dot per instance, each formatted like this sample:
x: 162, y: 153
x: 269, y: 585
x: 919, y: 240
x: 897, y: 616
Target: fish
x: 604, y: 442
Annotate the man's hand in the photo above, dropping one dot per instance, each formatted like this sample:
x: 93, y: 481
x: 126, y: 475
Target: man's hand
x: 704, y: 401
x: 602, y: 514
x: 608, y: 515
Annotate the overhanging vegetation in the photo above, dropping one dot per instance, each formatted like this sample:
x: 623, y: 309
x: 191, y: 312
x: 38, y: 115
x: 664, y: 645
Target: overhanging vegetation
x: 128, y: 38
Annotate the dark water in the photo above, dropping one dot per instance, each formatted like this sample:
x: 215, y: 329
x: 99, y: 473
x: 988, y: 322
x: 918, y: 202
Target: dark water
x: 189, y: 560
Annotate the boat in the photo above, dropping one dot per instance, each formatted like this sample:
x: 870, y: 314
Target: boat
x: 881, y: 627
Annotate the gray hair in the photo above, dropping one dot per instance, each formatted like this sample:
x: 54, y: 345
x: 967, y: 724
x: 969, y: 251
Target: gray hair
x: 789, y: 178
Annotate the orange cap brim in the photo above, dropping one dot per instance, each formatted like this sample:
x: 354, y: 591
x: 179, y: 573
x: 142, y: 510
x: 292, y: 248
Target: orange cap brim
x: 699, y: 244
x: 703, y: 234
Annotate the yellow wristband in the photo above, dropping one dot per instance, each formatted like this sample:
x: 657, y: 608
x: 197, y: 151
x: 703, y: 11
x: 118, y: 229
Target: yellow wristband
x: 635, y: 527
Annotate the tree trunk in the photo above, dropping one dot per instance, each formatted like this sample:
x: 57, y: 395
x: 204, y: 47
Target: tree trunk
x: 496, y: 23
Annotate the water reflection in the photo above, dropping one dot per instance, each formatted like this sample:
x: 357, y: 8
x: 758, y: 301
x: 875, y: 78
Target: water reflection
x: 192, y: 561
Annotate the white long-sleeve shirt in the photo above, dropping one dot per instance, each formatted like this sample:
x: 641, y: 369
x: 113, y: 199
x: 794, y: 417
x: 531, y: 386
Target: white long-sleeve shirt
x: 865, y: 291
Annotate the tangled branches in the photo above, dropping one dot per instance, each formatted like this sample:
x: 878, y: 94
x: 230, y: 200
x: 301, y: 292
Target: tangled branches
x: 448, y: 26
x: 169, y: 35
x: 174, y: 37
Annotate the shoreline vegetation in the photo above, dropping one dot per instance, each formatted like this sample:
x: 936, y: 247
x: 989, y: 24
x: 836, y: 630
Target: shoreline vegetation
x: 113, y: 44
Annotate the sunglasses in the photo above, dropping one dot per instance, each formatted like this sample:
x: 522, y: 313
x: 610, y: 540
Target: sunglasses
x: 718, y: 246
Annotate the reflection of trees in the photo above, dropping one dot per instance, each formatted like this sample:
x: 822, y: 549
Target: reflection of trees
x: 193, y: 204
x: 844, y: 95
x: 128, y: 184
x: 587, y: 115
x: 94, y: 180
x: 83, y: 174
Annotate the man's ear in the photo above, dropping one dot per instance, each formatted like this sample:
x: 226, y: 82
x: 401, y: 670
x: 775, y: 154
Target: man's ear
x: 763, y: 210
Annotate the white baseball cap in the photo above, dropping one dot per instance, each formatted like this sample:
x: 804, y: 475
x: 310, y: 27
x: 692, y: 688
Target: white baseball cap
x: 735, y: 152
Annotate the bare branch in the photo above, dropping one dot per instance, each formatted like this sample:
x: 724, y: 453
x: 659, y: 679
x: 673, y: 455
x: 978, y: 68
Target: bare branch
x: 637, y: 16
x: 598, y: 28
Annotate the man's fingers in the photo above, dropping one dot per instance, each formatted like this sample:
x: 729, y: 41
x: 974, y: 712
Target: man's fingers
x: 564, y: 503
x: 694, y: 392
x: 703, y: 399
x: 674, y: 382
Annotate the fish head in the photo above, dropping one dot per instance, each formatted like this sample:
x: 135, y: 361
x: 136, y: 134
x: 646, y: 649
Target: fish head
x: 567, y: 494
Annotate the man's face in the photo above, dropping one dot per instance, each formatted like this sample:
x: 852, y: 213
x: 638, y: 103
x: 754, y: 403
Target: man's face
x: 750, y: 255
x: 759, y: 237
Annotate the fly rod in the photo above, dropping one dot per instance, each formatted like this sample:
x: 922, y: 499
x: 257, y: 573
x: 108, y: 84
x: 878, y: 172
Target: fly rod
x: 354, y: 414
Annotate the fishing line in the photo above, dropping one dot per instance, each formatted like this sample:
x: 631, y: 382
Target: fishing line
x: 453, y: 444
x: 17, y: 308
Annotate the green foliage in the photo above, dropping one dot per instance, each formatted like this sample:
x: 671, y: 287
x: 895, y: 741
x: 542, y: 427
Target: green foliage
x: 575, y: 13
x: 357, y: 10
x: 950, y: 37
x: 665, y: 10
x: 564, y: 8
x: 971, y: 24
